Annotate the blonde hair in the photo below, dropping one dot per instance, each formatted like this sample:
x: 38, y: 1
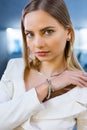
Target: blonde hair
x: 57, y: 9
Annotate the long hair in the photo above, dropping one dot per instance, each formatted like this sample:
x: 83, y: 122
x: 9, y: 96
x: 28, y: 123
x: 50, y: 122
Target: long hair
x: 58, y: 10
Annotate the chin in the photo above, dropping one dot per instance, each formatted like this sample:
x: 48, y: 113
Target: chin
x: 44, y: 59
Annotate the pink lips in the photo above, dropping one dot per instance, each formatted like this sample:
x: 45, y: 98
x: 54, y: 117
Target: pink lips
x: 42, y: 53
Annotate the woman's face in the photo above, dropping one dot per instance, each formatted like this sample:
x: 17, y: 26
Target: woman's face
x: 45, y: 36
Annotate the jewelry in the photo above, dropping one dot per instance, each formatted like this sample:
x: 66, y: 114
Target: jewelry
x: 56, y: 74
x: 50, y: 86
x: 50, y: 89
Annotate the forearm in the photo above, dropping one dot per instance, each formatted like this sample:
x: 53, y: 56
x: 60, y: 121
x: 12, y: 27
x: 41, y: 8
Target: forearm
x: 42, y: 91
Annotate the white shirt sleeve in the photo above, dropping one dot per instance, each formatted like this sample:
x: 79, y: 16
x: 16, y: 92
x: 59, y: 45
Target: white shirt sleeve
x: 82, y: 121
x: 13, y: 112
x: 82, y: 117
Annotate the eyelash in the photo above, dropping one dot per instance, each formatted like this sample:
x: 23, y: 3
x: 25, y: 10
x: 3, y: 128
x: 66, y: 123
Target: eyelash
x: 49, y: 32
x: 46, y: 32
x: 31, y: 35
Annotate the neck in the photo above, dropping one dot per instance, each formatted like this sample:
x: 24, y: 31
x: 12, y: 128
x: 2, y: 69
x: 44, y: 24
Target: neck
x: 51, y: 68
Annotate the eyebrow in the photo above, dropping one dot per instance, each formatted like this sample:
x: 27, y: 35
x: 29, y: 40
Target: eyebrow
x: 45, y: 28
x: 41, y: 30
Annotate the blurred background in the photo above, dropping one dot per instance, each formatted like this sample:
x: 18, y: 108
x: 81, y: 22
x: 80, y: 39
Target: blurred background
x: 10, y: 33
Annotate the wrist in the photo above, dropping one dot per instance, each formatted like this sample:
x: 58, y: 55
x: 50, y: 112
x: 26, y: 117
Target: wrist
x: 42, y: 91
x: 50, y: 89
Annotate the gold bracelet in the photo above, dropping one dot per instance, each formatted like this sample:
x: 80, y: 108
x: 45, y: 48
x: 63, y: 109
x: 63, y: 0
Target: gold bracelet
x: 50, y: 89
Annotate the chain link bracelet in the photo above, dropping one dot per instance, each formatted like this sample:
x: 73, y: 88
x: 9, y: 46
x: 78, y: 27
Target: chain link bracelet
x: 50, y: 89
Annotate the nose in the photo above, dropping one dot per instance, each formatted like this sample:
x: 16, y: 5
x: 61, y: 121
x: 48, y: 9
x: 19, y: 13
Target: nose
x: 39, y: 42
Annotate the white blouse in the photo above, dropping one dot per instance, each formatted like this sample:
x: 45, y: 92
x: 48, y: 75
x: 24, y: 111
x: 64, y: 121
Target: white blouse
x: 20, y: 107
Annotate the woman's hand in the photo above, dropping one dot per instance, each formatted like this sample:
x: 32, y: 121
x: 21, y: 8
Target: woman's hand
x: 69, y: 77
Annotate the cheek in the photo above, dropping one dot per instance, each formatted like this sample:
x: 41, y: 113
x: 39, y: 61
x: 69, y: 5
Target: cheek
x: 59, y: 45
x: 28, y: 43
x: 30, y: 46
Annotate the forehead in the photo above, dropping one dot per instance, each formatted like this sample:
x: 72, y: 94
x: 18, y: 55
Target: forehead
x: 39, y: 19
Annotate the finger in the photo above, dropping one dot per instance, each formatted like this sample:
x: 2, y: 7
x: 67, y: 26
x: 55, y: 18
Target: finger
x: 85, y: 74
x: 79, y: 75
x: 77, y: 81
x: 77, y: 72
x: 83, y: 83
x: 84, y: 78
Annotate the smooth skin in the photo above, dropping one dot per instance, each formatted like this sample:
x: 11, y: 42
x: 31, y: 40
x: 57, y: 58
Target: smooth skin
x: 46, y: 39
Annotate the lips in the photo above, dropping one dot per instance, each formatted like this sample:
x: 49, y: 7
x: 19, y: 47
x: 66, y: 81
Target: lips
x: 42, y: 53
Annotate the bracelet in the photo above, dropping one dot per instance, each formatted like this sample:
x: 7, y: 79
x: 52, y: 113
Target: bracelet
x: 50, y: 89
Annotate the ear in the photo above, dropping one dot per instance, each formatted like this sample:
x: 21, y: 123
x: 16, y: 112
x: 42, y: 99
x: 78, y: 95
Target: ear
x: 68, y: 35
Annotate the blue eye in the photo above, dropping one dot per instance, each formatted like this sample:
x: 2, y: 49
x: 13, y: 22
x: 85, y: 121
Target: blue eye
x: 30, y: 35
x: 49, y: 32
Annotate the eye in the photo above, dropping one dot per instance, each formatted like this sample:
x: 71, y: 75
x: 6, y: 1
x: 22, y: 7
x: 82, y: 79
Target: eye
x: 29, y: 35
x: 49, y: 32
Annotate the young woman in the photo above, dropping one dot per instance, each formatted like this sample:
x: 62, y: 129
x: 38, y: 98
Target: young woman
x: 48, y: 90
